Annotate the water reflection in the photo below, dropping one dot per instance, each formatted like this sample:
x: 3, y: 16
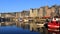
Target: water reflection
x: 22, y: 29
x: 40, y: 30
x: 15, y: 30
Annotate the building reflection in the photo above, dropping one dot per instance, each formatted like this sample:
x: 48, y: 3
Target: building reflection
x: 27, y: 26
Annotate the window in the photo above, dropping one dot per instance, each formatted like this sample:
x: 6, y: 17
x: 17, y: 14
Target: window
x: 32, y: 10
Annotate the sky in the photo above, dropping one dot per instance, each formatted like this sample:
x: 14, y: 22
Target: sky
x: 19, y: 5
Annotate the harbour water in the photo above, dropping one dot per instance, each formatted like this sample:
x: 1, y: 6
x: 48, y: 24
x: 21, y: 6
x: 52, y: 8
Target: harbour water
x: 15, y: 30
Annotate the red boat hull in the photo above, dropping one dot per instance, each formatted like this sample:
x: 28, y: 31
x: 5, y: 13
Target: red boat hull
x: 53, y: 27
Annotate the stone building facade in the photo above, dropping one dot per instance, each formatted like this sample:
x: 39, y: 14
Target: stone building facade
x: 45, y: 11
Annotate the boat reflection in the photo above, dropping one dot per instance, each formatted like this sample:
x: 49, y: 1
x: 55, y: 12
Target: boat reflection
x: 41, y: 30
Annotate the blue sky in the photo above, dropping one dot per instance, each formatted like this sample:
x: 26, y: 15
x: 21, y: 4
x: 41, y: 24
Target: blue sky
x: 19, y: 5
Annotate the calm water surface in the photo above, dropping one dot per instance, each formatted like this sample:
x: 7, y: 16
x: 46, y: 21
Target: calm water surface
x: 15, y: 30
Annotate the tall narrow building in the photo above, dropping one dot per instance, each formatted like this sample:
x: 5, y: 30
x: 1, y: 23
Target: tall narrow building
x: 34, y: 12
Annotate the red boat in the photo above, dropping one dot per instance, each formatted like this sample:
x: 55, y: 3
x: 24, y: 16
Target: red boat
x: 54, y: 25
